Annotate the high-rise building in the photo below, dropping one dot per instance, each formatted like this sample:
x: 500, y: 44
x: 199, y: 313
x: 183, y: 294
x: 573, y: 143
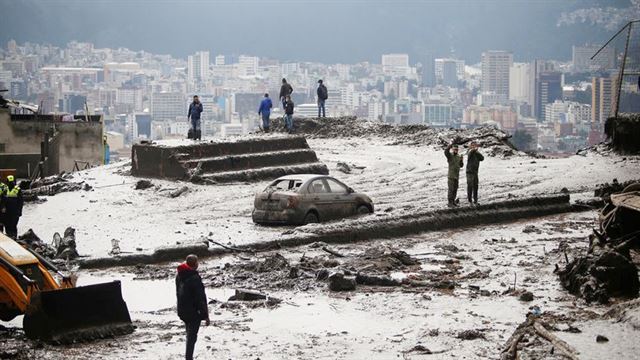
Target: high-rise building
x: 248, y: 65
x: 548, y: 89
x: 520, y: 82
x: 72, y: 103
x: 606, y: 59
x: 428, y: 70
x: 198, y: 66
x: 495, y: 72
x: 602, y: 98
x: 395, y: 64
x: 168, y: 106
x: 443, y: 69
x: 219, y: 60
x: 438, y: 114
x: 450, y: 73
x: 12, y: 47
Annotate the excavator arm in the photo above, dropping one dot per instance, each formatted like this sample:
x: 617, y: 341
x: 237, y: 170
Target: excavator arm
x: 16, y: 290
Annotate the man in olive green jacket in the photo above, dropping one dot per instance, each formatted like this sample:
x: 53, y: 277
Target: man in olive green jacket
x: 473, y: 164
x: 455, y: 164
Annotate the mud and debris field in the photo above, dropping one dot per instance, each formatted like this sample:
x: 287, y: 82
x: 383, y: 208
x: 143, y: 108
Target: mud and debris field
x: 456, y: 294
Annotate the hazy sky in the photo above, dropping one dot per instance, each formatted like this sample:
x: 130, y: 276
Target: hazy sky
x: 329, y: 31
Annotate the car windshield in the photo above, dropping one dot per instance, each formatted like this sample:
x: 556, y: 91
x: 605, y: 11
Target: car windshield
x: 285, y: 185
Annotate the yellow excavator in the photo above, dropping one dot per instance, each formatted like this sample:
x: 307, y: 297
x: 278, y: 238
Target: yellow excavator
x: 56, y: 312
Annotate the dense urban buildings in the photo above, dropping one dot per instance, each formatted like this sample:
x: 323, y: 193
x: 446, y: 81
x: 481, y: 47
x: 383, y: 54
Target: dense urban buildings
x: 146, y: 96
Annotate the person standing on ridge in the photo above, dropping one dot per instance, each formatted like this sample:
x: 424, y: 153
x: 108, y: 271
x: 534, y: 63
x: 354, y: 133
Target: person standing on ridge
x: 323, y: 95
x: 473, y: 164
x: 455, y: 163
x: 192, y: 301
x: 265, y: 111
x: 195, y: 109
x: 285, y: 90
x: 288, y: 114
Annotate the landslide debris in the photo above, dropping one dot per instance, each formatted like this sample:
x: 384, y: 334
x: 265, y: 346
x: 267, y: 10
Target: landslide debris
x: 52, y: 185
x: 491, y: 138
x: 607, y: 269
x: 62, y: 247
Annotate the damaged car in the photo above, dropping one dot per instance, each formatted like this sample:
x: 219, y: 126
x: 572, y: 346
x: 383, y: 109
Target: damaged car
x: 304, y: 199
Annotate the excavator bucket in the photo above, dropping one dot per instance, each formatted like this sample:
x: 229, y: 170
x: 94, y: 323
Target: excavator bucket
x: 77, y: 314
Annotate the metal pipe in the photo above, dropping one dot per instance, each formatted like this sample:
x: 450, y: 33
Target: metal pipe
x: 624, y: 64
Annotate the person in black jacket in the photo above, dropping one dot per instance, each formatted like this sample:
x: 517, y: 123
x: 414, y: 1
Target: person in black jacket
x: 193, y: 114
x: 11, y: 204
x: 473, y: 165
x: 285, y: 90
x: 323, y: 95
x: 192, y: 301
x: 288, y: 114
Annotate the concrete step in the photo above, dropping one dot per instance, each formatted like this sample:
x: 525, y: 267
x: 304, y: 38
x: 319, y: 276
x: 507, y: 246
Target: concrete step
x: 240, y: 146
x: 251, y: 161
x: 271, y: 172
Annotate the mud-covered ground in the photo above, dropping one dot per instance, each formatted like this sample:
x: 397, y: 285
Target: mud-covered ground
x: 462, y: 295
x: 401, y: 179
x: 453, y: 296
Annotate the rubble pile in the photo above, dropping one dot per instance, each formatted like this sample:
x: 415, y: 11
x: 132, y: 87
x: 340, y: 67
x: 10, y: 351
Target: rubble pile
x: 333, y: 270
x: 63, y: 248
x: 623, y: 132
x: 488, y: 137
x: 53, y: 185
x: 607, y: 269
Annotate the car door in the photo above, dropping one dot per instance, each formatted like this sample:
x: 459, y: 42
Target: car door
x: 343, y: 204
x: 321, y: 198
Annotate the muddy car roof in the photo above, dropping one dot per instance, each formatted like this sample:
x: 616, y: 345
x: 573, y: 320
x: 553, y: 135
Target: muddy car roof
x: 303, y: 177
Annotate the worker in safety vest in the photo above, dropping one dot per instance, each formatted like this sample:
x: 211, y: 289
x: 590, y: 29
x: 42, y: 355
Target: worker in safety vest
x: 11, y: 202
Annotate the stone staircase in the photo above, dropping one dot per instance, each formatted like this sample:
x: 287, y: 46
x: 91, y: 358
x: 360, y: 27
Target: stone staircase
x: 241, y: 159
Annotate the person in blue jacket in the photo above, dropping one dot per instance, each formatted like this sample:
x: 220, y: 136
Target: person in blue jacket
x: 265, y: 111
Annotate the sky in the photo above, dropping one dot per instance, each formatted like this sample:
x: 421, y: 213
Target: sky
x: 329, y: 31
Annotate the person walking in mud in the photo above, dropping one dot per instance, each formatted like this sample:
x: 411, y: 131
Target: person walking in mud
x: 265, y: 111
x: 285, y: 90
x: 192, y: 301
x: 473, y: 164
x: 455, y: 163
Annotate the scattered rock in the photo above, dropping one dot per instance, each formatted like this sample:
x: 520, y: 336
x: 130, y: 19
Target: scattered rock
x: 601, y: 339
x: 531, y: 229
x: 470, y: 335
x: 526, y: 296
x: 338, y: 282
x: 372, y: 280
x: 343, y: 167
x: 176, y: 193
x: 143, y: 184
x: 247, y: 295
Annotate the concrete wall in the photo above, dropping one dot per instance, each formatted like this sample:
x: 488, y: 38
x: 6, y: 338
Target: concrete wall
x: 80, y: 140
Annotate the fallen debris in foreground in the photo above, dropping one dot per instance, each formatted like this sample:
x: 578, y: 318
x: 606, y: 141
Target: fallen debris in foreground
x: 607, y: 269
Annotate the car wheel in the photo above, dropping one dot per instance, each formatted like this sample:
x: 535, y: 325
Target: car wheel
x: 311, y: 218
x: 363, y: 210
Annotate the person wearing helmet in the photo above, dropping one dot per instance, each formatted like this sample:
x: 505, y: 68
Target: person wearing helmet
x: 12, y: 204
